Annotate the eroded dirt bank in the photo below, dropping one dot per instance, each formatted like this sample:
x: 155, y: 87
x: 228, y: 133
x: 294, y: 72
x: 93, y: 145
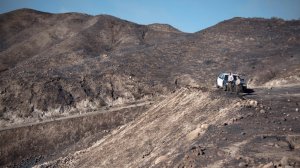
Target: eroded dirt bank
x: 24, y: 146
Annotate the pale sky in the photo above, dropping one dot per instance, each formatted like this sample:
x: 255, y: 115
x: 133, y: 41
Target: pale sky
x: 185, y: 15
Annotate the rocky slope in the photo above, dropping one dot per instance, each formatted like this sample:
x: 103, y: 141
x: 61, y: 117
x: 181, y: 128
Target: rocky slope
x: 56, y: 66
x: 200, y: 128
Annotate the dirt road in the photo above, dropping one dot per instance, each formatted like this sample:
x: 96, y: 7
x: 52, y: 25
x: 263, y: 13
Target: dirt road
x: 102, y: 110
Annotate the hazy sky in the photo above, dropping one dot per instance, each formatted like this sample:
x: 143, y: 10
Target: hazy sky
x: 186, y: 15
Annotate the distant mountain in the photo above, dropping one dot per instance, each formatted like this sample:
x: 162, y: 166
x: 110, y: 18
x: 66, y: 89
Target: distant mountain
x: 63, y: 64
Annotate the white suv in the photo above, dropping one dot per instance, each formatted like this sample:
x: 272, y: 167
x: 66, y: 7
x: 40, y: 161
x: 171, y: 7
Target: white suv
x: 222, y: 81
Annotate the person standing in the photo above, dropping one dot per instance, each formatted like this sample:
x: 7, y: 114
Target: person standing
x: 238, y: 86
x: 230, y: 82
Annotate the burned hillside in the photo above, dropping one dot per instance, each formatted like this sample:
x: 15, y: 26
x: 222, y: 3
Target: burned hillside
x: 150, y: 87
x: 62, y: 63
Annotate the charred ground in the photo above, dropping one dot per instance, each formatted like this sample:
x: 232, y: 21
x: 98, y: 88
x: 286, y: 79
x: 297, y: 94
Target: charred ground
x: 58, y: 65
x: 57, y: 61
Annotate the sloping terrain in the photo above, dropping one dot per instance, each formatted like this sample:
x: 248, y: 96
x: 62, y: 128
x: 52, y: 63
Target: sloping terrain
x: 25, y: 145
x: 60, y: 64
x: 61, y: 70
x: 198, y: 128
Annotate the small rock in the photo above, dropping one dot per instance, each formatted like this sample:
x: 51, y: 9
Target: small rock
x: 239, y: 158
x: 262, y: 111
x: 225, y: 124
x: 193, y: 148
x: 204, y: 126
x: 243, y: 164
x: 253, y: 103
x: 250, y: 114
x: 291, y: 129
x: 297, y: 109
x: 243, y: 133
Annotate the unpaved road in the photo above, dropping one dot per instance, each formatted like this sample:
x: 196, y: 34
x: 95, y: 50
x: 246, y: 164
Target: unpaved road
x: 275, y: 92
x: 103, y: 110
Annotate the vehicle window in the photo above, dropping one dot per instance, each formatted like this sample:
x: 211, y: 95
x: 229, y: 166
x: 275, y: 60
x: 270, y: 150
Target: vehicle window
x: 234, y: 77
